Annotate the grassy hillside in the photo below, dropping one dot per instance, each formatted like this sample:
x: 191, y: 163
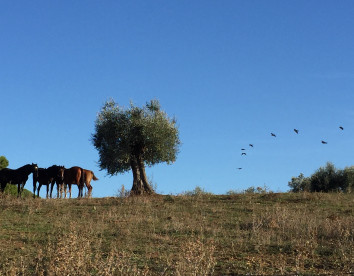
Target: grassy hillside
x: 178, y: 235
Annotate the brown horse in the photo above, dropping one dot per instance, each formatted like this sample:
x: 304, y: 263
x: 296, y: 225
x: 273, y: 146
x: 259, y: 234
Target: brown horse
x: 74, y: 175
x: 88, y: 176
x: 78, y: 176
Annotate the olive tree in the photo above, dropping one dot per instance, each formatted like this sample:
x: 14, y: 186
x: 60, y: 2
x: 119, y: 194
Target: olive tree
x: 135, y: 137
x: 3, y: 162
x: 299, y: 184
x: 327, y: 179
x: 324, y: 179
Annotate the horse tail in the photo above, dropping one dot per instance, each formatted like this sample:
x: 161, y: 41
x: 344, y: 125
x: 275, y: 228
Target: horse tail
x: 94, y: 177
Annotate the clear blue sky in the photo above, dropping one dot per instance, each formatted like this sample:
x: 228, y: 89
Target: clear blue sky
x: 231, y: 72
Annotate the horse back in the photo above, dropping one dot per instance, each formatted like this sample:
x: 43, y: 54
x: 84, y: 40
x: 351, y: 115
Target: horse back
x: 72, y: 175
x: 89, y: 175
x: 43, y: 176
x: 5, y: 174
x: 12, y: 176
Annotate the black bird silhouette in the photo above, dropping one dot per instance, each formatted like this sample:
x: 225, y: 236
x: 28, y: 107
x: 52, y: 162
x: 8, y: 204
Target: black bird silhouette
x: 273, y: 135
x: 251, y: 145
x: 296, y: 131
x: 323, y: 142
x: 239, y: 168
x: 243, y: 149
x: 342, y: 128
x: 243, y: 153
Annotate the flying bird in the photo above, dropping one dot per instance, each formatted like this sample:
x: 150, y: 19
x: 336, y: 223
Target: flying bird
x: 296, y: 131
x: 342, y: 128
x: 239, y: 168
x: 251, y: 145
x: 323, y: 142
x: 243, y: 153
x: 243, y: 149
x: 273, y: 135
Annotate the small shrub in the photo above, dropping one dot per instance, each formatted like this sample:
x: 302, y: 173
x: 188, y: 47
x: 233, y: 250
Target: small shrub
x: 122, y: 192
x: 257, y: 190
x: 233, y: 192
x: 198, y: 191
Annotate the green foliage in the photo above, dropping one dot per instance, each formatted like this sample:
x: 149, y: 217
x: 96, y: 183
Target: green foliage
x: 325, y: 179
x: 122, y: 134
x: 3, y: 162
x: 349, y: 176
x: 12, y: 190
x: 300, y: 183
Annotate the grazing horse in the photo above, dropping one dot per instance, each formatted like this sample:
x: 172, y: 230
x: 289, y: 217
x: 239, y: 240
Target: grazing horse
x: 18, y: 176
x: 88, y: 176
x: 48, y: 176
x: 74, y: 175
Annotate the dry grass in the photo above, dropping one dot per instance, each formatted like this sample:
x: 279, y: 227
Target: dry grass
x: 262, y: 234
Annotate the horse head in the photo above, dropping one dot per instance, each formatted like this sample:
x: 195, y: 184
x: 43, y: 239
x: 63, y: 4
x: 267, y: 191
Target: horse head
x: 60, y: 174
x: 35, y: 170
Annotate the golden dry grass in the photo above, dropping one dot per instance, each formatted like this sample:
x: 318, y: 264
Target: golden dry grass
x: 263, y: 234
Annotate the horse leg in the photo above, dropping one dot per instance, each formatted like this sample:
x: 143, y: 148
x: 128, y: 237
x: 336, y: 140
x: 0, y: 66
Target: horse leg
x: 80, y: 190
x: 51, y: 188
x: 63, y: 189
x: 89, y: 188
x: 38, y: 189
x: 19, y: 190
x: 34, y: 188
x: 69, y: 190
x: 59, y: 190
x: 47, y: 190
x: 90, y: 191
x: 3, y: 186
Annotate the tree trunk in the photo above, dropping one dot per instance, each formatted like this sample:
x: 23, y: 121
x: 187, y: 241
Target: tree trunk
x: 141, y: 185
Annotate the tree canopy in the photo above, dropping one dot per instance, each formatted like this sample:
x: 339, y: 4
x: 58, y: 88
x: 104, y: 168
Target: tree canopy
x: 130, y: 138
x: 3, y: 162
x: 325, y: 179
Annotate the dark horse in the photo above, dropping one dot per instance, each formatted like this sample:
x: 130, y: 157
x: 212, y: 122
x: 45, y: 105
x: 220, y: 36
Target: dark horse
x: 48, y: 176
x: 74, y: 175
x: 18, y: 176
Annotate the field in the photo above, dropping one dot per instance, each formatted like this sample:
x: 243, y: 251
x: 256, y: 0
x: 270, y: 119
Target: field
x: 263, y: 234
